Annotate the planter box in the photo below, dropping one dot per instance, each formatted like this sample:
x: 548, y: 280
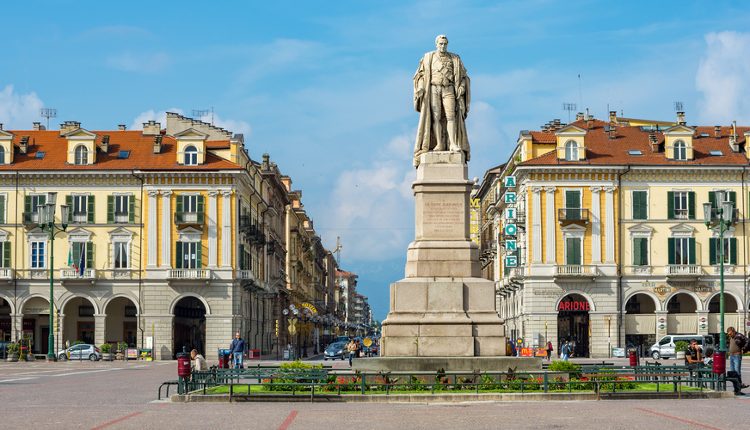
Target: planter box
x: 12, y: 358
x: 108, y: 356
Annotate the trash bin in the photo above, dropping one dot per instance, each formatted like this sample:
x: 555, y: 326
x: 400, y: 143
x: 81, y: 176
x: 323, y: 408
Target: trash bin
x: 633, y: 356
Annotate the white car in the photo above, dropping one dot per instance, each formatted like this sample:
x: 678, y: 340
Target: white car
x: 83, y: 351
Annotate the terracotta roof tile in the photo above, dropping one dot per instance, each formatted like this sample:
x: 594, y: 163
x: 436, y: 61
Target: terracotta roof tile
x: 140, y: 146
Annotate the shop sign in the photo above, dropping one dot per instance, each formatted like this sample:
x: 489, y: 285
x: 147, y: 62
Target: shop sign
x: 510, y: 229
x: 310, y: 307
x: 511, y: 261
x: 510, y: 245
x: 510, y: 213
x: 576, y: 305
x: 662, y: 290
x: 704, y: 289
x: 509, y: 182
x: 510, y: 197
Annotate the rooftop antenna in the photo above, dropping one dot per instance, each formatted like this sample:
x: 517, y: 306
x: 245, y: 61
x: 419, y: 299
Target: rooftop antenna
x: 678, y: 107
x: 580, y: 91
x: 48, y: 113
x: 201, y: 113
x: 570, y: 107
x: 337, y: 250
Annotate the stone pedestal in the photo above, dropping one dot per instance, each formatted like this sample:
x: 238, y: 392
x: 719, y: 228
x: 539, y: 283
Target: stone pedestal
x: 442, y: 308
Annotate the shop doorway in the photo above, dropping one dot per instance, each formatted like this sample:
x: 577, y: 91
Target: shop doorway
x: 5, y: 321
x: 189, y: 326
x: 573, y: 324
x: 35, y: 317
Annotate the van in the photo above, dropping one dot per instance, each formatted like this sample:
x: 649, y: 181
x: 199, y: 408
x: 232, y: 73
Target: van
x: 664, y: 348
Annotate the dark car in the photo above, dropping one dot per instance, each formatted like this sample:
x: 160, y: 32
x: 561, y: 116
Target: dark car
x: 334, y: 351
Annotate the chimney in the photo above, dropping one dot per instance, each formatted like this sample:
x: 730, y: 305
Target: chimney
x: 613, y: 117
x: 681, y: 118
x: 717, y: 131
x: 733, y: 140
x: 122, y: 127
x: 266, y: 161
x: 23, y: 145
x: 1, y: 125
x: 589, y: 121
x: 151, y: 128
x: 104, y: 147
x: 157, y: 144
x: 612, y: 131
x: 653, y: 142
x: 68, y: 126
x: 37, y: 126
x: 579, y: 116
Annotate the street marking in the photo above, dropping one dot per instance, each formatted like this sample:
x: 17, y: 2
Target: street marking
x: 288, y: 421
x: 85, y: 372
x: 695, y: 423
x: 17, y: 379
x: 115, y: 421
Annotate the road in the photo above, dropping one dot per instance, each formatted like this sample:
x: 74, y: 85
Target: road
x: 120, y: 395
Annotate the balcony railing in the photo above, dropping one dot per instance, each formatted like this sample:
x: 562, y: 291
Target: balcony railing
x: 569, y: 215
x: 80, y: 217
x: 687, y: 270
x: 77, y: 274
x: 575, y: 270
x: 31, y: 218
x: 517, y: 272
x: 6, y: 273
x: 189, y: 274
x: 188, y: 218
x: 122, y: 217
x: 246, y: 275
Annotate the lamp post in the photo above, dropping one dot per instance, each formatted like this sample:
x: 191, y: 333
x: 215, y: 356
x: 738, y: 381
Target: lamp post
x: 721, y: 217
x: 47, y: 223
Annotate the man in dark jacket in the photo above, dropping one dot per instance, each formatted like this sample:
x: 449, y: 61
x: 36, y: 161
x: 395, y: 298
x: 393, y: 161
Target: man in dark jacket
x: 237, y: 350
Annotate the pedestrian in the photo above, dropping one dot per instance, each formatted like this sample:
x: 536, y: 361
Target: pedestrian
x: 237, y: 351
x: 199, y: 363
x: 565, y: 351
x: 737, y: 343
x: 352, y: 348
x: 549, y: 350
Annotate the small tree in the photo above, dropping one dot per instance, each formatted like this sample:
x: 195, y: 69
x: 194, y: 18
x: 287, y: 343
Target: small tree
x: 681, y: 346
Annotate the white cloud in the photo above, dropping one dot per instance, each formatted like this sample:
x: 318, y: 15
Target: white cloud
x: 18, y: 110
x: 139, y: 63
x: 724, y: 78
x: 153, y: 115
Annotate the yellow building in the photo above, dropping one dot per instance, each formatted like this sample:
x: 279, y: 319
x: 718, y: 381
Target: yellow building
x: 602, y: 234
x: 175, y: 238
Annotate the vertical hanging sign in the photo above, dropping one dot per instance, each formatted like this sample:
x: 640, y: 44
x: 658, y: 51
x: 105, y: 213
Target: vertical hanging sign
x: 510, y: 230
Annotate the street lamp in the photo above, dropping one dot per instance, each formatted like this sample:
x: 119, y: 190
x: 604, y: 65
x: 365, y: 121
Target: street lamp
x: 721, y: 217
x: 47, y: 223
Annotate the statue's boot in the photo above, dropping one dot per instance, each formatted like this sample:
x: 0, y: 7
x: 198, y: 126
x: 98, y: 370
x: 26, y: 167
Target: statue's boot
x: 440, y: 146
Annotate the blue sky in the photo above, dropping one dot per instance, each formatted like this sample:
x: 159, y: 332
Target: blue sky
x: 325, y: 87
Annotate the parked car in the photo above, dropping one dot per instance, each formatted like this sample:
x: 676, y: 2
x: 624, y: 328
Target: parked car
x: 665, y: 347
x: 335, y: 350
x: 82, y: 351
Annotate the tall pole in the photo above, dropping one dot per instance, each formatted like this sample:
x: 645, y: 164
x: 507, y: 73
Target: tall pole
x: 51, y: 337
x: 722, y: 336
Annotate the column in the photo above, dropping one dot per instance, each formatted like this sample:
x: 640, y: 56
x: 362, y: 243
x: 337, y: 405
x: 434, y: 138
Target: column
x: 596, y: 226
x: 151, y: 263
x: 100, y: 328
x: 536, y: 224
x: 609, y: 208
x: 166, y: 229
x: 550, y: 226
x: 226, y: 229
x: 16, y: 326
x: 212, y: 239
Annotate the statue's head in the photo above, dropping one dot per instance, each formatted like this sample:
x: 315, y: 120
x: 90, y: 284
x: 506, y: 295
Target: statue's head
x: 441, y: 43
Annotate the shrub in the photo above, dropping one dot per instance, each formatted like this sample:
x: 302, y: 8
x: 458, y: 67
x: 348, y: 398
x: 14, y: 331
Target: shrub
x: 566, y: 366
x: 122, y: 346
x: 681, y: 346
x: 489, y: 382
x: 12, y: 348
x: 106, y: 348
x: 287, y: 376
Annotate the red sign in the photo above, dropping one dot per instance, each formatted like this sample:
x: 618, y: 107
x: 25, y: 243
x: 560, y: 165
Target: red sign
x: 574, y: 306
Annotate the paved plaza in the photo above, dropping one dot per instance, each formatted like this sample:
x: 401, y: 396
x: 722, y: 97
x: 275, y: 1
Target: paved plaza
x: 121, y: 395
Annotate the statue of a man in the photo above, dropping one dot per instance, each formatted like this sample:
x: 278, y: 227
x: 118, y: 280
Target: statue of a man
x: 441, y: 96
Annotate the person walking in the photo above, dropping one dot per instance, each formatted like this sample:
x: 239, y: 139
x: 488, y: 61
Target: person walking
x: 237, y: 351
x: 565, y: 351
x: 352, y: 348
x: 549, y: 350
x: 737, y: 343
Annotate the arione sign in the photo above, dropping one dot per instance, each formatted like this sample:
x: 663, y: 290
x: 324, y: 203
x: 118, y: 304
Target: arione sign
x: 578, y: 305
x: 509, y: 182
x: 510, y: 229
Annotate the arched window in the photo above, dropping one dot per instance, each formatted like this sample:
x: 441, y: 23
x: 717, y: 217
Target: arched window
x: 2, y: 155
x: 191, y: 156
x: 571, y: 151
x: 82, y: 155
x: 680, y: 150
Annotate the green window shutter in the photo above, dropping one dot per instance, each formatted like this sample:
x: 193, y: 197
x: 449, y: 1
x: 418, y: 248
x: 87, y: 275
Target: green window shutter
x: 6, y: 254
x: 90, y: 209
x: 712, y: 199
x: 639, y: 205
x: 69, y: 202
x: 131, y: 208
x: 670, y: 250
x: 179, y: 204
x: 2, y: 209
x: 110, y: 209
x: 733, y: 197
x: 712, y: 251
x: 691, y: 248
x: 76, y: 252
x: 573, y: 251
x: 199, y: 205
x: 733, y: 250
x: 691, y: 205
x: 572, y: 199
x: 670, y: 204
x: 637, y: 254
x: 644, y: 251
x: 89, y: 255
x: 198, y: 260
x: 242, y: 258
x: 178, y: 257
x: 27, y: 204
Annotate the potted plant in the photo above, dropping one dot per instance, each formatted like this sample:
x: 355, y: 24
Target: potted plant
x: 12, y: 350
x: 121, y: 347
x: 680, y: 347
x: 106, y: 352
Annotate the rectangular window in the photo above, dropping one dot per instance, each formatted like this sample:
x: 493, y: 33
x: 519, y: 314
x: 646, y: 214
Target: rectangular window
x: 573, y: 251
x: 640, y: 251
x: 190, y: 204
x: 681, y: 250
x: 188, y: 255
x: 730, y: 250
x: 120, y: 209
x: 5, y: 253
x: 37, y: 201
x: 640, y: 205
x: 572, y: 204
x: 81, y: 208
x: 2, y: 208
x: 37, y: 255
x: 681, y: 205
x: 121, y: 255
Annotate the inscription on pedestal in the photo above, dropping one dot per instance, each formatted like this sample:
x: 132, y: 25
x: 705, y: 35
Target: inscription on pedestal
x: 443, y: 217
